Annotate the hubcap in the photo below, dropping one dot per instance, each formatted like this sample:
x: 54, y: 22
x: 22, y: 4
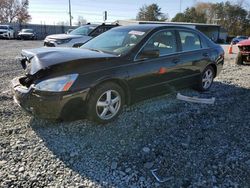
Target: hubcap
x: 207, y: 79
x: 108, y: 104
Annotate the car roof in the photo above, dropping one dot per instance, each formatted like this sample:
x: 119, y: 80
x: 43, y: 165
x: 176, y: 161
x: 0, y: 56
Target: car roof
x: 148, y: 27
x: 241, y: 36
x: 89, y: 25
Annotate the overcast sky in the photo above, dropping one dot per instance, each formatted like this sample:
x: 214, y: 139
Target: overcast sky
x: 54, y: 11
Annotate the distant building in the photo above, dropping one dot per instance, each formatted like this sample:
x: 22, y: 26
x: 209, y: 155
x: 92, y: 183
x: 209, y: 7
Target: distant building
x: 213, y: 31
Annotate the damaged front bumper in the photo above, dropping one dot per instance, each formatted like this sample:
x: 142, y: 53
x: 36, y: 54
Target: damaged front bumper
x: 50, y: 105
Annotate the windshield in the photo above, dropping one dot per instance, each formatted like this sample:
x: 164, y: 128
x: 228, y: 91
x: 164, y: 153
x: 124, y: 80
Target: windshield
x: 115, y: 41
x: 3, y: 27
x: 84, y: 30
x: 27, y: 30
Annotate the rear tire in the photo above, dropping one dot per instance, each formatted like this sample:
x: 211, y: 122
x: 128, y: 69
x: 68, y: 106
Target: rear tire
x: 105, y: 102
x: 239, y: 60
x: 206, y: 79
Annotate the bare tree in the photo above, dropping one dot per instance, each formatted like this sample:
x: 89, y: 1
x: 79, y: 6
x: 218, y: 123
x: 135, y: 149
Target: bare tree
x: 231, y: 16
x: 207, y: 10
x: 240, y: 2
x: 81, y: 21
x: 14, y: 11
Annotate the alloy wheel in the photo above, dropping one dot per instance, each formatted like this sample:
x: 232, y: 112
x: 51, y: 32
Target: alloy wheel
x: 207, y: 78
x: 108, y: 104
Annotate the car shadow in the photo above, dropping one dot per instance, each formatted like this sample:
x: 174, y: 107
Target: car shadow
x: 163, y: 124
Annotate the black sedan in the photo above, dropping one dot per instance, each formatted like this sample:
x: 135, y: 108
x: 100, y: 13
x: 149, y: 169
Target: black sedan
x: 117, y: 68
x: 27, y: 34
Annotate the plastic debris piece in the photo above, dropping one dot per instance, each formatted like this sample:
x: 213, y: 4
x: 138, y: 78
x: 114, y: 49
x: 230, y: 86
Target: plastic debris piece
x: 159, y: 179
x: 195, y: 99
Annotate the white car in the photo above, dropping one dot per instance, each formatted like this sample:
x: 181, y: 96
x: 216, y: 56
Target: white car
x: 77, y: 37
x: 6, y: 31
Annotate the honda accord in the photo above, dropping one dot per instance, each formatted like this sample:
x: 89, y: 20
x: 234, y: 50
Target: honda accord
x: 117, y: 68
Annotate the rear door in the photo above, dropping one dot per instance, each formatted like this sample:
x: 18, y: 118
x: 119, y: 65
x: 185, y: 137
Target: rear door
x: 194, y: 56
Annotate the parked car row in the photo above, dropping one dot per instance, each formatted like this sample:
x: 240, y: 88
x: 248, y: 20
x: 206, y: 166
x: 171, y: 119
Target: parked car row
x: 8, y: 32
x: 72, y: 38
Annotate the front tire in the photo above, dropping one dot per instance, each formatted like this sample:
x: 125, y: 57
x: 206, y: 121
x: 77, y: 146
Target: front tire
x: 239, y: 60
x: 105, y: 102
x: 206, y: 79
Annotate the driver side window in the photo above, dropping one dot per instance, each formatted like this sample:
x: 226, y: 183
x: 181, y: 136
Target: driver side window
x: 163, y: 41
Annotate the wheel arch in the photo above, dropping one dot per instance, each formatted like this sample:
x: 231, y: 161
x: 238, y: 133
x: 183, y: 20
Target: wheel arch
x: 213, y: 65
x: 122, y: 83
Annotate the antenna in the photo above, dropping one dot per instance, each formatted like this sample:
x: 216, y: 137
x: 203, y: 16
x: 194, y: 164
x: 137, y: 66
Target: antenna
x: 70, y: 17
x: 105, y: 16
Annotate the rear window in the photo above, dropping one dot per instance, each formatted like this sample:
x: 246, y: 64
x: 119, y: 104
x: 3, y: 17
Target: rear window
x: 189, y: 41
x: 83, y: 30
x: 100, y: 30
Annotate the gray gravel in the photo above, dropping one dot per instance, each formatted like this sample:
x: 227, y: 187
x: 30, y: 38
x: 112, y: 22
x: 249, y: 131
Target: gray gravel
x: 190, y: 145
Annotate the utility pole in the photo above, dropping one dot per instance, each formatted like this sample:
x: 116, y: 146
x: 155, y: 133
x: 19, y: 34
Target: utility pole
x: 105, y: 16
x: 180, y: 6
x: 70, y: 17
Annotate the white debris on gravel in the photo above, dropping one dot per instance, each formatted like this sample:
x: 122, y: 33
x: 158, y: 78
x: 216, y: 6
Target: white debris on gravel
x: 195, y: 99
x: 146, y: 150
x: 196, y: 145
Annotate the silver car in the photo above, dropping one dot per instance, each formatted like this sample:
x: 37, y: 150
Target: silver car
x: 77, y: 37
x: 6, y: 31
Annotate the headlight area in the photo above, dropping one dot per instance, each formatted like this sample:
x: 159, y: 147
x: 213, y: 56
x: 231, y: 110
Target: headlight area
x: 48, y: 100
x: 58, y: 84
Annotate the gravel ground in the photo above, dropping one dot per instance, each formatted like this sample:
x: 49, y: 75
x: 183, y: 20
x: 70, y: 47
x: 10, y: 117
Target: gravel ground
x: 190, y: 145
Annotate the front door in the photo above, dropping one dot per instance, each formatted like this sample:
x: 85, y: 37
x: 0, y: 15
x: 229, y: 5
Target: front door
x: 150, y: 76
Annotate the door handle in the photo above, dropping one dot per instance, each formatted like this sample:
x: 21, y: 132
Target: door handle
x: 176, y: 61
x: 205, y: 54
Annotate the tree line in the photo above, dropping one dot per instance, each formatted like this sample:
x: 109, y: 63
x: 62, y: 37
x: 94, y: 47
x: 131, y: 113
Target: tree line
x: 233, y: 17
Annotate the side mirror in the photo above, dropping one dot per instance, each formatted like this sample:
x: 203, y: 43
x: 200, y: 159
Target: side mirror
x: 145, y: 54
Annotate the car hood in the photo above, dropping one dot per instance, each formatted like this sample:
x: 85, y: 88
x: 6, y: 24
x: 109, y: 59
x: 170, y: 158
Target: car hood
x: 21, y: 33
x: 65, y: 36
x: 244, y: 43
x: 42, y: 58
x: 1, y: 30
